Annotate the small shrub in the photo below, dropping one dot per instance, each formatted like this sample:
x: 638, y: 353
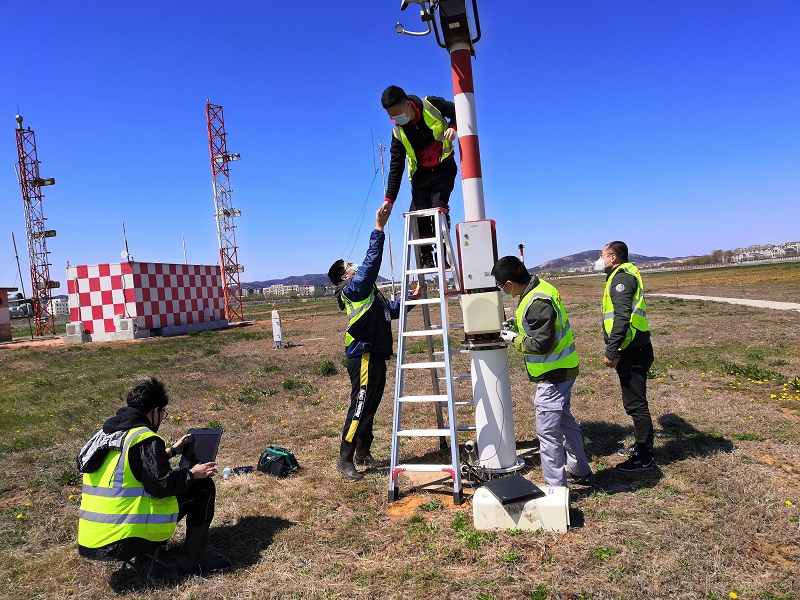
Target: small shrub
x: 250, y: 395
x: 213, y: 425
x: 432, y: 506
x: 542, y: 592
x: 510, y: 558
x: 795, y: 384
x: 270, y: 368
x: 290, y: 384
x: 603, y: 554
x: 778, y: 363
x: 69, y: 477
x: 271, y: 392
x: 210, y: 351
x: 326, y: 368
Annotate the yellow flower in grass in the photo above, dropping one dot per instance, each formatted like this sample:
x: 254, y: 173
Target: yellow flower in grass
x: 789, y: 503
x: 733, y: 595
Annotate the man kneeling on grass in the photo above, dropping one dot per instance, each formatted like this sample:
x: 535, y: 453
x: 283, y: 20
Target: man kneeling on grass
x: 132, y: 498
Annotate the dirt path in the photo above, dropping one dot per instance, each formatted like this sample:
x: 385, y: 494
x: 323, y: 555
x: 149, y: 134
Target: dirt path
x: 744, y: 301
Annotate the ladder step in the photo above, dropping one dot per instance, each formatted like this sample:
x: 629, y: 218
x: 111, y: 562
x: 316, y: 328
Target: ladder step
x: 423, y: 468
x: 432, y: 432
x: 430, y: 398
x: 424, y: 365
x: 423, y: 242
x: 424, y: 301
x: 457, y: 378
x: 431, y: 271
x: 441, y: 352
x: 422, y: 333
x: 424, y: 432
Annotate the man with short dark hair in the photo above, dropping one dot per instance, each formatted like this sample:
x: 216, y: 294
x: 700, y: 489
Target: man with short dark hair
x: 628, y: 347
x: 368, y: 345
x: 423, y: 136
x: 132, y: 499
x: 541, y: 331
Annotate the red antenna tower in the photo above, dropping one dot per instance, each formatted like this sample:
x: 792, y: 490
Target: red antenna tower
x: 224, y: 212
x: 31, y: 183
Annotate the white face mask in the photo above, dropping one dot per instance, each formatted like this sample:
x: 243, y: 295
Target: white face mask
x: 354, y: 266
x: 599, y: 265
x: 401, y: 119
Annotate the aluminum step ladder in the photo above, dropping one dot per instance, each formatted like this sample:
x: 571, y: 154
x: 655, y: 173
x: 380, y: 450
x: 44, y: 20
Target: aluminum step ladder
x: 437, y: 361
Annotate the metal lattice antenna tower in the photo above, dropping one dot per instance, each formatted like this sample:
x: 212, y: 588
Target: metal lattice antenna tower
x: 224, y: 212
x: 31, y: 182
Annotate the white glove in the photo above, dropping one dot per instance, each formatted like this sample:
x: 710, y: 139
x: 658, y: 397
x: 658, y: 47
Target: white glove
x: 508, y: 336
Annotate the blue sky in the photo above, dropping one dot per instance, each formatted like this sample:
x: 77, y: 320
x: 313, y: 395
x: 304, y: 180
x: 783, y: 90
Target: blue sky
x: 671, y: 125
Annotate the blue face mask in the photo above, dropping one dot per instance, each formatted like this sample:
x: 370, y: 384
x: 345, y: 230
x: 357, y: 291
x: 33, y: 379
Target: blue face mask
x: 401, y: 119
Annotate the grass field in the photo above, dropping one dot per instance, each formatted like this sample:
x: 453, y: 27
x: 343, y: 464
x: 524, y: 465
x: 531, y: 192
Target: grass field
x: 717, y: 519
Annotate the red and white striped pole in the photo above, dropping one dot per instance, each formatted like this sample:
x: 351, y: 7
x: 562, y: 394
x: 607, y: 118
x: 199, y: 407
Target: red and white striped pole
x: 464, y: 99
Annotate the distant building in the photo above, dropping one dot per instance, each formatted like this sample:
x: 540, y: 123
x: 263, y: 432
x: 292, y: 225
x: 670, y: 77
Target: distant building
x: 59, y: 307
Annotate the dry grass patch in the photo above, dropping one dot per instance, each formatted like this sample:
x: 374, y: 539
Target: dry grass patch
x: 719, y: 515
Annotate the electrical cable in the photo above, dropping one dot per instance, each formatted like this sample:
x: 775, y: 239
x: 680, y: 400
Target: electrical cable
x: 359, y: 222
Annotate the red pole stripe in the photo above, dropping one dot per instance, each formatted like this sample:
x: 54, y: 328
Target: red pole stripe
x: 461, y: 61
x: 470, y: 157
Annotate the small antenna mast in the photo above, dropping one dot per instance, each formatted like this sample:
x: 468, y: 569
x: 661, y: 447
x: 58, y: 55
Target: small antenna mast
x: 380, y: 150
x: 125, y: 253
x: 21, y: 281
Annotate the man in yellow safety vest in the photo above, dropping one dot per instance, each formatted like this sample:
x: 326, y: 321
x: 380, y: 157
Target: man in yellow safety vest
x: 541, y: 331
x: 368, y: 345
x: 628, y: 348
x: 423, y: 136
x: 132, y: 499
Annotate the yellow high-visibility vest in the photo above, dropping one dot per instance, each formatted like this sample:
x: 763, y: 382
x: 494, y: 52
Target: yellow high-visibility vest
x: 638, y: 306
x: 563, y: 355
x: 115, y: 506
x: 437, y: 124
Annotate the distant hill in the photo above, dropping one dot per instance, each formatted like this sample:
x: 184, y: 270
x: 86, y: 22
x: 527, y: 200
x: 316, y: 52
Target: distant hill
x: 584, y: 261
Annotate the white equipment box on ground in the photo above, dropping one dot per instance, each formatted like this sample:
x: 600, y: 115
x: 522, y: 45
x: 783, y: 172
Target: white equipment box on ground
x: 549, y: 512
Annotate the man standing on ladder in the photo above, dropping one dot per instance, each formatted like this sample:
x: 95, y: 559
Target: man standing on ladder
x: 424, y: 133
x: 369, y: 345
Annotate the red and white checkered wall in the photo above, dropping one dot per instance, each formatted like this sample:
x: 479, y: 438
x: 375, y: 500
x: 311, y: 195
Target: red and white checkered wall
x: 155, y: 295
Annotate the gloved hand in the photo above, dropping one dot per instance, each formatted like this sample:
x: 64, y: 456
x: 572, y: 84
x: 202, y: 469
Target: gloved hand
x: 508, y: 336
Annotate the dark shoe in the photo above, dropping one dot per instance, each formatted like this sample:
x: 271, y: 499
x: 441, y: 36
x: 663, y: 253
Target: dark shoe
x: 369, y: 461
x: 587, y: 479
x: 633, y: 464
x: 427, y: 262
x: 348, y: 469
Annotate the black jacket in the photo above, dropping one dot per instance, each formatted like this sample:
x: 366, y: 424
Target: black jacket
x: 148, y: 459
x: 419, y: 136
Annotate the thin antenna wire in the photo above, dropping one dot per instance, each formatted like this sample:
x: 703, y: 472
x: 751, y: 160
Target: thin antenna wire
x: 21, y: 282
x: 380, y: 149
x: 357, y: 227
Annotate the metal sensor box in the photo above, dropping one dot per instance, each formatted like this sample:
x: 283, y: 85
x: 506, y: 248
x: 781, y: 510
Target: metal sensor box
x: 477, y: 251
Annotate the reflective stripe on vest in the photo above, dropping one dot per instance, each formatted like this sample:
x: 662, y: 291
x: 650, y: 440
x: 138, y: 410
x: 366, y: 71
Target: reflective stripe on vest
x: 437, y: 124
x: 563, y: 355
x: 356, y: 310
x: 639, y: 311
x: 115, y: 505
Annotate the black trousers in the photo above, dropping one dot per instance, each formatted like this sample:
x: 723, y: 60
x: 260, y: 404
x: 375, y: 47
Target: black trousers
x: 367, y: 381
x: 195, y: 503
x: 632, y: 371
x: 431, y: 188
